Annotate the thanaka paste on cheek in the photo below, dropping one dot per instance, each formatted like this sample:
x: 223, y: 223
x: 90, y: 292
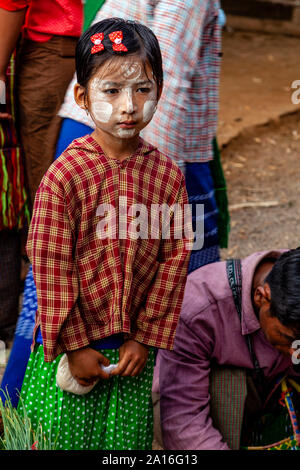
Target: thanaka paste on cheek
x: 101, y: 109
x: 149, y: 109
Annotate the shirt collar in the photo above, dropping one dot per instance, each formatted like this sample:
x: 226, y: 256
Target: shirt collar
x: 89, y: 143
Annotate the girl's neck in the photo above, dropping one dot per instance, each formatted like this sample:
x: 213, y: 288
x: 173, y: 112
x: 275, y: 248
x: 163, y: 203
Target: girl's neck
x: 114, y: 147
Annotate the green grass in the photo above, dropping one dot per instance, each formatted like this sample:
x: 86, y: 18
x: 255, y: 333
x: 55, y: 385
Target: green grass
x: 18, y: 432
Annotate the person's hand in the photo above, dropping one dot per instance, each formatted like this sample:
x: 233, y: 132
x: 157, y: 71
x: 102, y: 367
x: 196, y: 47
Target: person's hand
x: 132, y: 359
x: 3, y: 113
x: 85, y: 365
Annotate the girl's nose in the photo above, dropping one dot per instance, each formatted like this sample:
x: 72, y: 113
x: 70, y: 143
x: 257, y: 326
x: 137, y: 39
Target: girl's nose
x: 129, y: 105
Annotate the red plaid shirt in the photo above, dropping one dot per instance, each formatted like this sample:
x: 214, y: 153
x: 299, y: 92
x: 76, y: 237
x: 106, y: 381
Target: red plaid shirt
x: 89, y: 287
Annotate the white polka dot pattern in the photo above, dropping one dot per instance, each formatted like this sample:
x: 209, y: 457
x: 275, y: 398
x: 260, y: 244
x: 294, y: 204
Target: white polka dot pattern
x: 115, y: 415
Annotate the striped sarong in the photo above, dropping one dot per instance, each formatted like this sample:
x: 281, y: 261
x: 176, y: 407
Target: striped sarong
x: 14, y: 212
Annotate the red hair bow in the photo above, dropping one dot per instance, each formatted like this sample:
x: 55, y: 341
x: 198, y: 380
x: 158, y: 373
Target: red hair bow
x: 117, y: 37
x: 97, y: 40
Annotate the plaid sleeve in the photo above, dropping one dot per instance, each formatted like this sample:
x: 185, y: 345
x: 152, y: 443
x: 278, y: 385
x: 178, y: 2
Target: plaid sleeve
x: 157, y: 321
x: 50, y: 247
x: 178, y: 27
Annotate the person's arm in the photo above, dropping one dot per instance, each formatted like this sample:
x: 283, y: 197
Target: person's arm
x: 50, y: 248
x: 184, y: 389
x: 10, y: 26
x: 12, y: 16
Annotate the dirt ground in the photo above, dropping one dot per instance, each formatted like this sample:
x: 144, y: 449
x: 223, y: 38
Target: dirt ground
x: 262, y: 166
x: 256, y: 76
x: 259, y: 135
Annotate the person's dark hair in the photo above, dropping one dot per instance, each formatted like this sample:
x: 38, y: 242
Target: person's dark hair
x: 284, y: 282
x: 137, y: 38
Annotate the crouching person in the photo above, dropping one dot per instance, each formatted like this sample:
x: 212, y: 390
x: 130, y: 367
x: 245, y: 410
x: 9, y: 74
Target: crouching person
x: 231, y: 381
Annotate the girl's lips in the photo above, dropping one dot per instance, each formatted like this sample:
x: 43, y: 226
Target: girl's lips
x: 127, y: 124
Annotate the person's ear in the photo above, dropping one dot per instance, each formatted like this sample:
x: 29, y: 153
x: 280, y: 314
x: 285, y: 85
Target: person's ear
x: 262, y: 294
x: 80, y: 96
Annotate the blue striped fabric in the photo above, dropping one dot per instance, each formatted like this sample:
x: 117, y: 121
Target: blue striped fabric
x: 15, y: 370
x: 200, y: 188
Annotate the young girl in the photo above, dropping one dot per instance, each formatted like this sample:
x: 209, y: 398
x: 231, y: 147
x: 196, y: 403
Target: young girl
x: 107, y: 292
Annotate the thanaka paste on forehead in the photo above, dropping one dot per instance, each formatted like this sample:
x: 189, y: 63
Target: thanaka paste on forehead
x: 131, y: 70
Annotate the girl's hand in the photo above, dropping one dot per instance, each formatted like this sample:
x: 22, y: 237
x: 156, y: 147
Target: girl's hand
x: 85, y: 365
x: 132, y: 359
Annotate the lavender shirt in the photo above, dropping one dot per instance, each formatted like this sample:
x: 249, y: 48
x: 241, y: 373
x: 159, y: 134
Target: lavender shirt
x: 209, y: 329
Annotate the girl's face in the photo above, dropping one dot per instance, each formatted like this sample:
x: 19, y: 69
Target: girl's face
x: 122, y: 97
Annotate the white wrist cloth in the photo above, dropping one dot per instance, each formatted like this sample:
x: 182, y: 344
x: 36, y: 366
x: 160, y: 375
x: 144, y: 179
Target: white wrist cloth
x: 2, y: 92
x: 65, y: 380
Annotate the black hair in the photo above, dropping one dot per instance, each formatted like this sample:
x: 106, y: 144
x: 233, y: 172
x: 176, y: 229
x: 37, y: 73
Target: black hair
x: 284, y: 282
x: 137, y: 38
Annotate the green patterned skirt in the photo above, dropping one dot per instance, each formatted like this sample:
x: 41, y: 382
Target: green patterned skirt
x: 116, y: 415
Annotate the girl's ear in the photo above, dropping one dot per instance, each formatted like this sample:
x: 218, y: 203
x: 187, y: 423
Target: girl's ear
x: 79, y: 95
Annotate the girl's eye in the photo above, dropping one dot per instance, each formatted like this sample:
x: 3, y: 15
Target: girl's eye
x: 111, y: 91
x: 143, y: 90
